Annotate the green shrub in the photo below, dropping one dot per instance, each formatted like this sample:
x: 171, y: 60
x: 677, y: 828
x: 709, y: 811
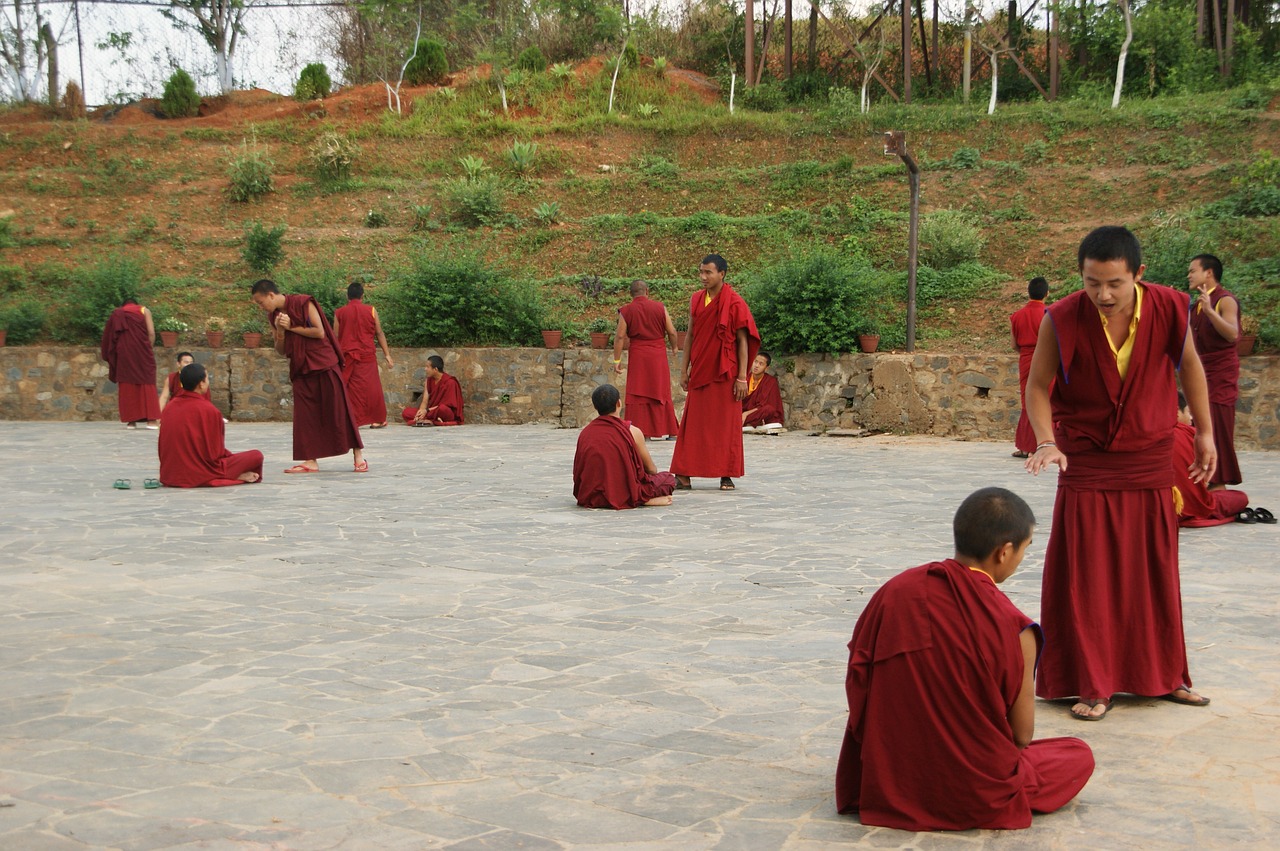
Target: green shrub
x: 332, y: 154
x: 93, y: 293
x: 429, y: 65
x: 959, y: 283
x: 547, y: 213
x: 454, y: 301
x: 250, y: 173
x: 473, y: 202
x: 764, y: 97
x: 646, y: 110
x: 562, y: 71
x: 180, y: 99
x: 422, y: 219
x: 965, y: 158
x: 949, y: 238
x: 532, y: 59
x: 7, y: 239
x: 660, y: 67
x: 521, y: 156
x: 262, y: 250
x: 376, y: 219
x: 321, y: 278
x: 24, y: 321
x: 473, y: 168
x: 630, y: 56
x: 816, y: 302
x: 313, y: 82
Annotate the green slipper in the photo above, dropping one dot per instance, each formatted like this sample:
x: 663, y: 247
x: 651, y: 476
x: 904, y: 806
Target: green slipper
x: 122, y: 484
x: 151, y: 484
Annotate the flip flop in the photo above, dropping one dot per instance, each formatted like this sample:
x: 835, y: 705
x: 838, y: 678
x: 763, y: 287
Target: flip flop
x: 302, y: 468
x: 1247, y: 516
x: 681, y: 486
x: 1198, y: 700
x: 151, y: 484
x: 378, y: 425
x: 122, y: 484
x: 1093, y: 703
x: 1261, y: 515
x: 1019, y: 454
x: 362, y: 467
x: 726, y: 484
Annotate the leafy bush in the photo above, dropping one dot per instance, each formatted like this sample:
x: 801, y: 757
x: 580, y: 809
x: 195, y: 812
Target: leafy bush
x: 816, y: 302
x: 657, y: 170
x: 429, y: 65
x: 660, y: 66
x: 473, y: 168
x: 376, y: 219
x: 547, y: 213
x: 24, y: 321
x: 180, y: 99
x: 333, y: 154
x: 803, y: 86
x: 262, y: 247
x: 646, y: 110
x: 422, y: 219
x: 473, y: 202
x: 313, y: 82
x: 454, y: 301
x: 532, y: 59
x: 322, y: 278
x: 965, y: 158
x: 959, y: 283
x: 764, y: 97
x: 562, y: 71
x: 93, y: 293
x: 7, y: 239
x: 250, y: 173
x: 949, y: 238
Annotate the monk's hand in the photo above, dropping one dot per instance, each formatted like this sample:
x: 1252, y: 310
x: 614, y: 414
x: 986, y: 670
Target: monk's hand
x: 1206, y: 461
x: 282, y: 322
x: 1045, y: 455
x: 390, y: 362
x: 740, y: 389
x: 617, y: 367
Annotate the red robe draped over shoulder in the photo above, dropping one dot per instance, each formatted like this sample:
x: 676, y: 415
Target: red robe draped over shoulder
x: 358, y: 340
x: 648, y: 402
x: 935, y: 665
x: 709, y: 444
x: 444, y: 402
x: 131, y: 363
x: 607, y: 470
x: 1025, y: 323
x: 1197, y: 505
x: 1222, y: 370
x: 174, y: 383
x: 766, y: 399
x: 192, y: 449
x: 1111, y: 602
x: 323, y: 423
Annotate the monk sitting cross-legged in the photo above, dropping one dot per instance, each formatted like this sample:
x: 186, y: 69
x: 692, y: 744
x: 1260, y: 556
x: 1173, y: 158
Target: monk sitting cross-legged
x: 441, y: 403
x: 941, y: 702
x: 612, y: 467
x: 762, y: 409
x: 192, y: 450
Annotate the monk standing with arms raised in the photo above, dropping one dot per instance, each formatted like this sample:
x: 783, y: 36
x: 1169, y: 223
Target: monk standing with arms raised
x: 648, y: 325
x: 128, y: 348
x: 357, y: 327
x: 323, y: 424
x: 1215, y: 325
x: 1111, y: 600
x: 723, y: 341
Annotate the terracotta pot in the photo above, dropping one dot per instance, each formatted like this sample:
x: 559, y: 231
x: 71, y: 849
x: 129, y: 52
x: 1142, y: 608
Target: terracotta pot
x: 252, y: 340
x: 868, y: 342
x: 1245, y: 344
x: 214, y: 338
x: 4, y: 334
x: 599, y: 340
x: 551, y: 339
x: 168, y: 339
x: 681, y: 338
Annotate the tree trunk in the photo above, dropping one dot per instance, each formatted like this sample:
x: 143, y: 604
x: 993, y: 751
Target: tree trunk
x: 51, y: 47
x: 1230, y: 36
x: 1053, y: 53
x: 1217, y: 38
x: 786, y: 48
x: 813, y: 37
x: 906, y: 51
x: 1124, y: 52
x: 924, y: 46
x: 995, y: 82
x: 750, y: 34
x: 1199, y: 22
x: 937, y: 57
x: 967, y: 57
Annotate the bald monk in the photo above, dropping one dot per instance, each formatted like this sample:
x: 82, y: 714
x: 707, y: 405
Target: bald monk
x: 762, y: 409
x: 722, y: 343
x: 441, y: 403
x: 128, y: 342
x: 1215, y: 325
x: 193, y: 453
x: 648, y: 326
x: 941, y: 701
x: 173, y: 384
x: 1111, y: 353
x: 612, y: 467
x: 1197, y: 505
x: 1025, y: 323
x: 358, y: 328
x: 323, y: 423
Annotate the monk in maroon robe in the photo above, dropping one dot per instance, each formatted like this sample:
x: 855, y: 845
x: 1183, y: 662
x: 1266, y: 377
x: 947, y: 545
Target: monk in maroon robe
x: 358, y: 328
x: 648, y: 326
x: 1197, y: 505
x: 722, y: 343
x: 941, y: 702
x: 1025, y: 323
x: 1215, y: 325
x: 1111, y: 602
x: 128, y: 347
x: 612, y: 467
x: 323, y: 422
x: 173, y: 383
x: 762, y: 408
x: 441, y: 403
x: 192, y: 447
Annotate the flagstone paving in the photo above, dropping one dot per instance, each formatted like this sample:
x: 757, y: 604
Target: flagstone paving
x: 447, y: 653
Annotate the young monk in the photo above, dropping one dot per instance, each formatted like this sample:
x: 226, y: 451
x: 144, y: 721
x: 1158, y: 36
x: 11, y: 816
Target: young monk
x: 648, y: 326
x: 762, y: 409
x: 1197, y: 505
x: 941, y: 702
x: 441, y: 403
x: 323, y: 422
x: 128, y: 347
x: 358, y: 328
x: 1025, y: 324
x: 173, y: 384
x: 1215, y: 326
x: 612, y: 467
x: 192, y: 450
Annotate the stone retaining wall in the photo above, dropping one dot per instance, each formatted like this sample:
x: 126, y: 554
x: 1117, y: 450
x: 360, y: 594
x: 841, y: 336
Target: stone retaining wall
x: 963, y: 396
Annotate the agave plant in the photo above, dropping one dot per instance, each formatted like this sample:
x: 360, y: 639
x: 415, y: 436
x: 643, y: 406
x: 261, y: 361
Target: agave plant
x: 473, y: 167
x: 547, y: 213
x: 660, y: 66
x: 521, y: 156
x: 562, y: 71
x: 646, y: 110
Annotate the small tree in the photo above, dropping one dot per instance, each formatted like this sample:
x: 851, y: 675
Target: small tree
x: 180, y: 100
x: 313, y: 82
x: 428, y: 65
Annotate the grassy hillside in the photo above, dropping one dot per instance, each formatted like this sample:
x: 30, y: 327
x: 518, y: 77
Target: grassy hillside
x: 642, y: 192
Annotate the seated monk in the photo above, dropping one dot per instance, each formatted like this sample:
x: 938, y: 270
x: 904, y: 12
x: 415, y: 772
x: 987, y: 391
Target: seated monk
x: 192, y: 451
x: 172, y: 384
x: 762, y: 408
x: 941, y: 701
x: 612, y: 467
x: 441, y: 403
x: 1196, y: 504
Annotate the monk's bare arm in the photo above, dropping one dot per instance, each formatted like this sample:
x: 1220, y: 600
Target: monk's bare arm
x: 637, y: 437
x: 315, y: 330
x: 164, y: 396
x: 1226, y: 322
x: 1022, y: 715
x: 672, y: 337
x: 151, y: 328
x: 619, y: 337
x: 740, y: 383
x: 382, y: 338
x: 684, y: 358
x: 1044, y: 365
x: 1196, y: 389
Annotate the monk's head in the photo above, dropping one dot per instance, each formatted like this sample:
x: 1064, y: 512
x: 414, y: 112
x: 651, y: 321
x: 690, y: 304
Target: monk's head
x: 192, y: 376
x: 1111, y: 266
x: 185, y: 358
x: 1204, y: 273
x: 761, y: 363
x: 606, y: 399
x: 711, y: 271
x: 355, y: 290
x: 267, y: 295
x: 992, y: 531
x: 1184, y: 413
x: 435, y: 366
x: 1037, y: 288
x: 639, y: 288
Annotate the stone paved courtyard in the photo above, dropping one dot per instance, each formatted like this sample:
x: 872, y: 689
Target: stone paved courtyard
x: 447, y: 653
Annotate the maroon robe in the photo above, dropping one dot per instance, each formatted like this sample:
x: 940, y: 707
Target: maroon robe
x: 444, y: 402
x: 935, y: 665
x: 1025, y: 323
x: 709, y: 444
x: 131, y: 363
x: 1197, y: 505
x: 1111, y: 602
x: 648, y: 403
x: 1222, y: 370
x: 607, y: 470
x: 358, y: 340
x: 192, y: 450
x: 323, y: 423
x: 766, y: 399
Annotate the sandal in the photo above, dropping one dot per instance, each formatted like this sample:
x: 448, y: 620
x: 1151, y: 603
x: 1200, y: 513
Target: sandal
x: 1092, y: 703
x: 1247, y: 516
x: 1261, y: 515
x: 122, y: 484
x: 378, y: 425
x: 683, y: 485
x: 151, y: 484
x: 1193, y: 700
x: 726, y: 484
x: 302, y: 468
x: 362, y: 467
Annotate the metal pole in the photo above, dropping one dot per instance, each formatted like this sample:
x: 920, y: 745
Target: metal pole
x: 895, y: 143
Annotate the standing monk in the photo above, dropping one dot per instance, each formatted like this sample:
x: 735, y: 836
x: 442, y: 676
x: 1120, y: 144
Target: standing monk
x: 1026, y: 331
x: 648, y: 325
x: 1215, y: 324
x: 357, y: 327
x: 1111, y: 603
x: 192, y: 447
x: 323, y: 424
x: 127, y: 347
x: 441, y: 403
x: 722, y: 343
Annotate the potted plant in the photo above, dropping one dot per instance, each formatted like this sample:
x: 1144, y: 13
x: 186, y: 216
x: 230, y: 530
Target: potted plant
x: 868, y: 334
x: 599, y: 330
x: 214, y: 331
x: 681, y: 321
x: 1248, y: 335
x: 251, y: 332
x: 170, y: 327
x: 551, y: 337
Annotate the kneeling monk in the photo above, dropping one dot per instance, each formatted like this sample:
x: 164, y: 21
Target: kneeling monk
x: 941, y: 701
x: 612, y: 467
x: 193, y: 453
x: 1197, y: 506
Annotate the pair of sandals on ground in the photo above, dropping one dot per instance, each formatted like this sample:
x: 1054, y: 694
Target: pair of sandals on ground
x: 1087, y: 709
x: 683, y: 483
x: 1255, y: 515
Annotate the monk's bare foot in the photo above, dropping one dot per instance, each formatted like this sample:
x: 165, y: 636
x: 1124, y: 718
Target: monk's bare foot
x: 249, y: 477
x: 1091, y: 709
x: 313, y: 467
x: 683, y: 483
x: 1186, y: 697
x: 660, y: 500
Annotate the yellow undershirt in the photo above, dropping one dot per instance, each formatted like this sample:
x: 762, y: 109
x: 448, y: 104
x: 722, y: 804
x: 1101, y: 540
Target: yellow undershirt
x: 753, y: 381
x: 1125, y: 351
x: 706, y: 298
x: 1200, y: 302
